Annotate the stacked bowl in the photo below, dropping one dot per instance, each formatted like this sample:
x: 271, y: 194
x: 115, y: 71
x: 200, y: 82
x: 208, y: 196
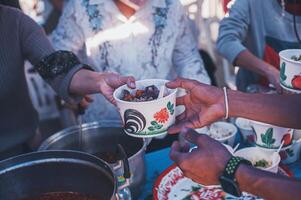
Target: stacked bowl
x: 290, y: 71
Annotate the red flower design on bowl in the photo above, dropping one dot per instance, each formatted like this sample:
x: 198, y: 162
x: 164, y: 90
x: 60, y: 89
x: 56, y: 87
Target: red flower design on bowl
x: 162, y: 116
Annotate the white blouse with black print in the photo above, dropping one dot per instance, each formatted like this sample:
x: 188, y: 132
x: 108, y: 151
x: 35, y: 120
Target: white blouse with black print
x: 156, y: 42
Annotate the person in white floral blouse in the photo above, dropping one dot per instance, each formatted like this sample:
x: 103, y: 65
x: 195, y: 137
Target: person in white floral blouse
x: 153, y: 41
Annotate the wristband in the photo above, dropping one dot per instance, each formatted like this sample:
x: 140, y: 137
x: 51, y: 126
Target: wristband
x: 226, y: 103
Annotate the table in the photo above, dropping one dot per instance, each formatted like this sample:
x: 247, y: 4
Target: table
x: 158, y: 161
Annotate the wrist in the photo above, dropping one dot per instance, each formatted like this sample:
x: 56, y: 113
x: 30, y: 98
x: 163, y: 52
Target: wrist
x: 221, y: 104
x: 85, y: 82
x: 269, y: 70
x: 242, y: 175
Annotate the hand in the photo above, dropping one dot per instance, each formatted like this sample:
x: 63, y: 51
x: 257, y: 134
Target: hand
x: 206, y: 163
x: 110, y: 81
x: 204, y: 104
x: 273, y: 75
x: 89, y: 82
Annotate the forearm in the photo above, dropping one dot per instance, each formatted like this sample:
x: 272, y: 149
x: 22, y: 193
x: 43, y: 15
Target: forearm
x: 267, y: 185
x: 281, y: 110
x: 248, y: 61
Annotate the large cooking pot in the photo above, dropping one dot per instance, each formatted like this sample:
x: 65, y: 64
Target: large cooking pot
x: 31, y: 175
x: 100, y: 137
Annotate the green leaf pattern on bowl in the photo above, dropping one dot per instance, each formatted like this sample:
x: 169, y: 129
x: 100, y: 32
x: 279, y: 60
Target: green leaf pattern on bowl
x: 283, y: 77
x: 170, y: 107
x: 267, y: 138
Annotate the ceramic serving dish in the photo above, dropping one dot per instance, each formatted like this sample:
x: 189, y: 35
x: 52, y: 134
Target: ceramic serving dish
x: 149, y: 118
x: 257, y: 154
x: 270, y: 136
x: 173, y: 185
x: 290, y: 70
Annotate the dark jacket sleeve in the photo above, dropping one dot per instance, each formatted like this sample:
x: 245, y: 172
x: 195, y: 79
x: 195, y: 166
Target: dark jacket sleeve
x: 55, y: 67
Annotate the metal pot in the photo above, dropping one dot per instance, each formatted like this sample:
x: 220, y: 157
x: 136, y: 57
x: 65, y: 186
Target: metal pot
x: 101, y: 137
x: 31, y: 175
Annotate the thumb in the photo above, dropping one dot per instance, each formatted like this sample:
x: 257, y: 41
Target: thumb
x: 129, y: 80
x: 195, y: 138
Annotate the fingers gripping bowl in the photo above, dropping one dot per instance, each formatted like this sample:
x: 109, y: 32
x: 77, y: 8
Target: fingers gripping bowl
x: 150, y: 117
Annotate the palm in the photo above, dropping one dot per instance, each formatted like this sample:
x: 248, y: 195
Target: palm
x: 199, y: 111
x: 202, y: 105
x: 111, y: 81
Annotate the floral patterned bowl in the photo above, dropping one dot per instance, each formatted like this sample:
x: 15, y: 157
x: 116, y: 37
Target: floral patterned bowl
x: 291, y: 153
x: 149, y: 118
x: 290, y: 70
x: 246, y: 130
x: 286, y: 90
x: 254, y: 154
x: 270, y: 136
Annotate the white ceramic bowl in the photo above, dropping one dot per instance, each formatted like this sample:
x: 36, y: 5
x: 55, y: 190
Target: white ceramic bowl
x: 286, y: 90
x: 270, y: 136
x: 291, y: 153
x: 220, y: 128
x: 246, y: 130
x: 254, y: 154
x: 290, y: 70
x: 149, y: 118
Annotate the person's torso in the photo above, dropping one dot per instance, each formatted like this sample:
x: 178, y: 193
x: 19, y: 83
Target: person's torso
x: 17, y: 112
x: 141, y: 46
x: 269, y: 32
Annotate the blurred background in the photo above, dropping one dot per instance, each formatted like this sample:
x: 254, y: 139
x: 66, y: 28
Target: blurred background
x: 205, y: 16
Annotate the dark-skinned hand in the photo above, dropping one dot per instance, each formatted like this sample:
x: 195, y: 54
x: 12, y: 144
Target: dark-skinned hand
x: 204, y: 164
x: 204, y: 104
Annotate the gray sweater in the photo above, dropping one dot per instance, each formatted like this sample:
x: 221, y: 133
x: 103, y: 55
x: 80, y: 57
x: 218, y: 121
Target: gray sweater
x: 21, y: 39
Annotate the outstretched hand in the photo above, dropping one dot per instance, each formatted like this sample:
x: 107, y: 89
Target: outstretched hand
x: 86, y: 82
x: 206, y: 163
x: 203, y: 103
x: 110, y: 81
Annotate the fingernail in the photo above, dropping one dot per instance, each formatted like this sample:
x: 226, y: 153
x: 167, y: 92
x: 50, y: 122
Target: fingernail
x: 132, y: 85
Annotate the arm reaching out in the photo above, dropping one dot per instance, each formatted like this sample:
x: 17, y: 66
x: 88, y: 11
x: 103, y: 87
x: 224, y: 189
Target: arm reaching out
x: 205, y: 104
x: 212, y: 155
x: 89, y: 82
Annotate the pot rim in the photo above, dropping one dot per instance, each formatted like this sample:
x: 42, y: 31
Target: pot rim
x: 54, y: 155
x: 70, y: 130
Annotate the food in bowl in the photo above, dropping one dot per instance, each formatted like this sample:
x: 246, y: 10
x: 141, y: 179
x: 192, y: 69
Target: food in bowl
x: 262, y: 163
x: 149, y: 93
x: 296, y: 58
x: 219, y: 132
x: 223, y: 132
x: 63, y: 196
x: 261, y: 158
